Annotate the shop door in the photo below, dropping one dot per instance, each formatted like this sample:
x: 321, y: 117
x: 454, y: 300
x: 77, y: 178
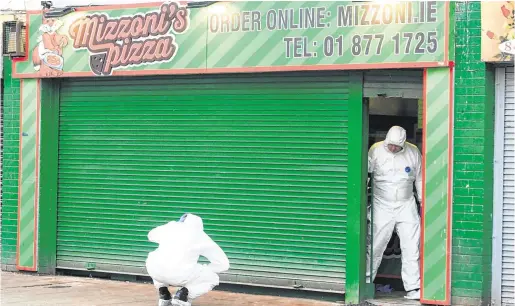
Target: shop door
x: 504, y: 187
x: 261, y: 158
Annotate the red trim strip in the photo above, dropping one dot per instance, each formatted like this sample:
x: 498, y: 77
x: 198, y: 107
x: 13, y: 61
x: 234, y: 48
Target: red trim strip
x: 422, y: 215
x: 449, y: 186
x: 246, y: 69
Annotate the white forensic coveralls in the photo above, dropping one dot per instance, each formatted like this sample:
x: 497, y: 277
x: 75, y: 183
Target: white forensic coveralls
x: 394, y: 206
x: 175, y: 261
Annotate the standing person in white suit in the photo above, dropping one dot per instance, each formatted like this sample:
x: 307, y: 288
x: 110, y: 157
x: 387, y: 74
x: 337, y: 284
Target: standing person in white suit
x: 175, y: 261
x: 396, y: 165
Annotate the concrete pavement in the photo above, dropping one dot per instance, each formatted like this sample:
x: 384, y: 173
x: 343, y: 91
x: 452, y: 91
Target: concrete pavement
x: 22, y: 289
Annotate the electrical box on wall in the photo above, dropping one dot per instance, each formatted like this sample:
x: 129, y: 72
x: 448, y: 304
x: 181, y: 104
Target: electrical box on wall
x: 14, y: 35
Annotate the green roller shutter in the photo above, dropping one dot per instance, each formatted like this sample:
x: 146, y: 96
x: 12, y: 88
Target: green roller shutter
x: 261, y: 158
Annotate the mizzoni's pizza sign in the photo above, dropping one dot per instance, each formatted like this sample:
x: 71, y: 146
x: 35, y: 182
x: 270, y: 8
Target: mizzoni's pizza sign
x: 239, y: 36
x: 115, y: 42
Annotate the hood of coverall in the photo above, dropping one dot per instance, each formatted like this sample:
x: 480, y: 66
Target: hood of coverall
x: 396, y: 136
x: 193, y: 221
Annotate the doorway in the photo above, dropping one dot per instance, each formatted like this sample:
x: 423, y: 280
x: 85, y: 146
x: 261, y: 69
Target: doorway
x: 394, y: 99
x: 385, y: 112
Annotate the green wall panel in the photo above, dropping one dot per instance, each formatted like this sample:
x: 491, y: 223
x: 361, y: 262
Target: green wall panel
x: 48, y: 176
x: 10, y: 159
x: 473, y: 162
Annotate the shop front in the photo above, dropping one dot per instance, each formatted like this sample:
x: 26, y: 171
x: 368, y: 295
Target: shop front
x: 255, y: 115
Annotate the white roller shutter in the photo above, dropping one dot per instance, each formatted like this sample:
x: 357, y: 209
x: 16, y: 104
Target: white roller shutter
x: 504, y: 222
x: 508, y: 222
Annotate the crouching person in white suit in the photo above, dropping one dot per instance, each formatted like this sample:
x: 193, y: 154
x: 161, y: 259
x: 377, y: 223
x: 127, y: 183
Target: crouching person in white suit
x: 175, y: 262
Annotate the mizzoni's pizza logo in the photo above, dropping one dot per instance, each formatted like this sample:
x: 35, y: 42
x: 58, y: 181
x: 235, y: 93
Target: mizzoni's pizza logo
x: 130, y: 40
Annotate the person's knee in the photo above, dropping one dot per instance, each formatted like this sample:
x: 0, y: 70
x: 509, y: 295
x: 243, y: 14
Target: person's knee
x: 208, y: 276
x: 215, y: 279
x: 164, y: 294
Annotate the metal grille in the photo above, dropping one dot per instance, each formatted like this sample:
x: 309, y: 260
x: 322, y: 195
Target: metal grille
x: 11, y: 39
x: 508, y: 217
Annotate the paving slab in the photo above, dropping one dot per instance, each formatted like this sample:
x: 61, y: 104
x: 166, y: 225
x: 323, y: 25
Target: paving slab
x: 23, y: 289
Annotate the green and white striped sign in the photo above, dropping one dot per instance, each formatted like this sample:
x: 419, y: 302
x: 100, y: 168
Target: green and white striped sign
x: 249, y: 36
x: 28, y: 176
x: 437, y: 208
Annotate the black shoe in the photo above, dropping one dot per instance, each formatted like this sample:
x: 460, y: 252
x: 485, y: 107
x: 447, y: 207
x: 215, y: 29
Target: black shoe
x: 182, y: 294
x: 165, y: 298
x: 164, y: 294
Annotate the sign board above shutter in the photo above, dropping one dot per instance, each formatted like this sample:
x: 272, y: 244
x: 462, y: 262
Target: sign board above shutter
x: 223, y: 37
